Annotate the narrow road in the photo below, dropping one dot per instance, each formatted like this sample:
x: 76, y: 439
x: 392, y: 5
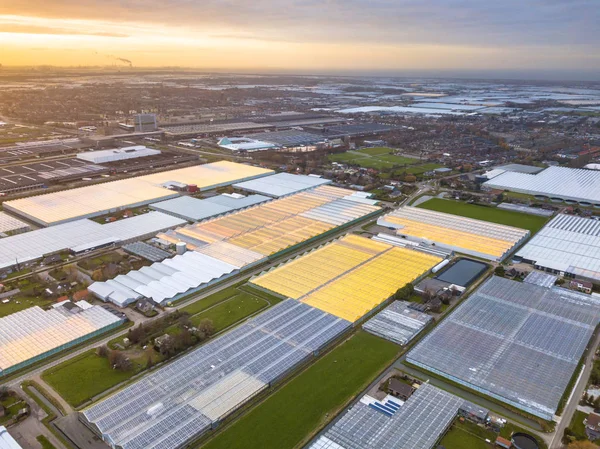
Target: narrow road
x: 571, y: 406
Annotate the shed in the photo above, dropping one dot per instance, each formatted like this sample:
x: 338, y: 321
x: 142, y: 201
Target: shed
x: 503, y: 442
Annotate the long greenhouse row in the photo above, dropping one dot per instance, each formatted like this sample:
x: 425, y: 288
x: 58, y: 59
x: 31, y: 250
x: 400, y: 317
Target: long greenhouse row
x: 179, y: 402
x: 466, y: 235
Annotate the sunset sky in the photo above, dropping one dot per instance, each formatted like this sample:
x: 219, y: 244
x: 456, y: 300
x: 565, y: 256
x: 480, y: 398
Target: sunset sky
x: 304, y: 34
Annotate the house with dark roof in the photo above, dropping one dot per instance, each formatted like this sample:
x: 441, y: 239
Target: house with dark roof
x: 400, y: 389
x: 592, y: 426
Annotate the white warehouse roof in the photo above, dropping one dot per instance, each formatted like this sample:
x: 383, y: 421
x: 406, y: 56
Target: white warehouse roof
x: 281, y: 184
x: 567, y: 244
x: 119, y: 154
x: 6, y: 440
x: 563, y: 183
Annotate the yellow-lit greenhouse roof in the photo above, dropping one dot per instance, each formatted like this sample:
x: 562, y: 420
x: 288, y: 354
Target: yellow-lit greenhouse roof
x: 209, y: 176
x: 98, y: 199
x: 475, y: 237
x: 310, y: 271
x: 279, y: 224
x: 348, y: 277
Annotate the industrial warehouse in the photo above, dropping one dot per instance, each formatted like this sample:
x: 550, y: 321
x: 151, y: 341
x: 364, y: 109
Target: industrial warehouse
x: 34, y: 334
x: 465, y: 235
x: 186, y: 398
x: 573, y: 185
x: 517, y: 342
x: 99, y: 199
x: 568, y: 245
x: 348, y: 277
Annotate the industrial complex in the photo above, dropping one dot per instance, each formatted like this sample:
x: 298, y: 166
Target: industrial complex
x: 214, y: 261
x: 222, y: 246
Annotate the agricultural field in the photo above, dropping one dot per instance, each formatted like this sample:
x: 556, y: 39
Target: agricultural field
x: 377, y: 158
x: 491, y: 214
x: 83, y: 377
x: 290, y: 415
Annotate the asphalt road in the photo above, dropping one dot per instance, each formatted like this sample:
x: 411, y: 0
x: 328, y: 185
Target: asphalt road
x: 571, y: 406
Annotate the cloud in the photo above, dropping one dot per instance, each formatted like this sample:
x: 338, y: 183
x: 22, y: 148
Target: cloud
x: 33, y: 29
x: 442, y: 22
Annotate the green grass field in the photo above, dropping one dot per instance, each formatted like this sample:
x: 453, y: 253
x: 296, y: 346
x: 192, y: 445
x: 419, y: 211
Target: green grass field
x: 459, y: 438
x: 231, y: 311
x: 81, y: 378
x: 494, y: 215
x: 310, y: 399
x: 377, y: 158
x: 45, y: 442
x: 577, y: 425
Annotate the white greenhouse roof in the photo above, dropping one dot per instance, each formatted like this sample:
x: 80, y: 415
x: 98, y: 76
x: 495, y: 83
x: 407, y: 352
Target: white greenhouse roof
x: 397, y: 323
x: 180, y: 401
x: 98, y: 199
x: 119, y: 154
x: 79, y: 236
x: 417, y: 423
x: 281, y: 184
x: 33, y: 332
x: 517, y: 342
x: 10, y: 224
x: 194, y: 209
x: 563, y: 183
x: 567, y: 244
x: 163, y: 281
x: 6, y: 440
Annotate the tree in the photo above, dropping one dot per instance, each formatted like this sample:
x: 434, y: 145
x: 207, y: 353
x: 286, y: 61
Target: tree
x: 102, y: 351
x: 136, y: 334
x: 500, y: 271
x: 149, y: 358
x: 585, y: 398
x: 206, y: 327
x: 597, y: 403
x: 404, y: 293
